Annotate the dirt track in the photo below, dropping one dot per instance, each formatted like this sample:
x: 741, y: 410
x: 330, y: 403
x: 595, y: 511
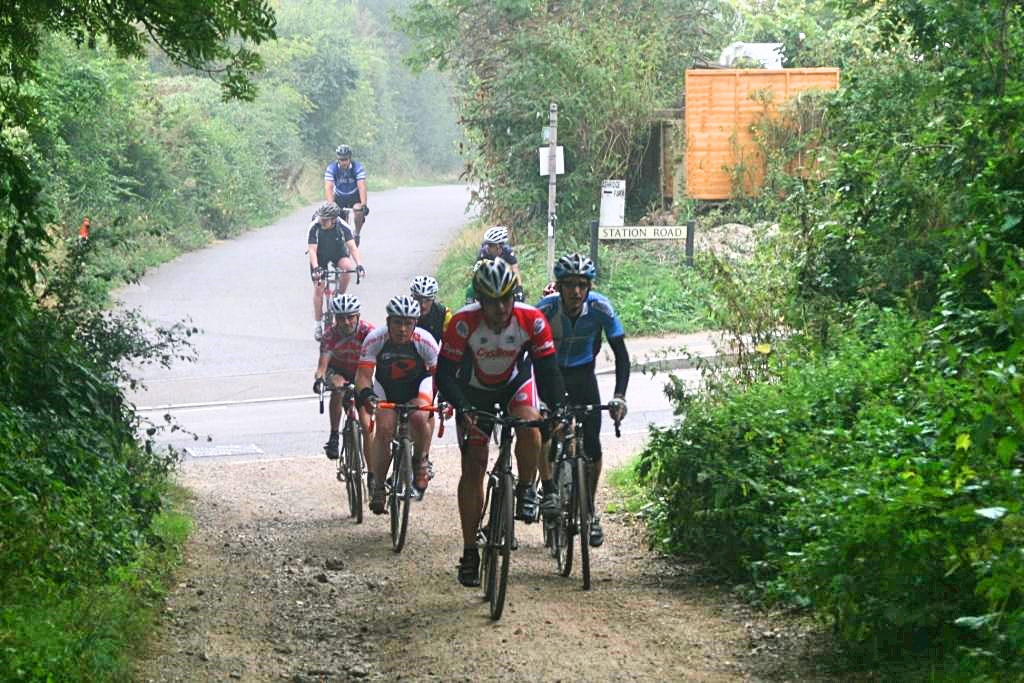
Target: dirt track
x: 279, y: 585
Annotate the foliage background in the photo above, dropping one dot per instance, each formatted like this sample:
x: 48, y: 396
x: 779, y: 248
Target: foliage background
x: 866, y: 463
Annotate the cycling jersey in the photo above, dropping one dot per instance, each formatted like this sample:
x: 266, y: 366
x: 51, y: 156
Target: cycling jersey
x: 330, y: 244
x: 435, y: 321
x: 578, y: 341
x: 399, y: 368
x: 346, y: 190
x: 493, y: 359
x: 507, y: 254
x: 344, y: 351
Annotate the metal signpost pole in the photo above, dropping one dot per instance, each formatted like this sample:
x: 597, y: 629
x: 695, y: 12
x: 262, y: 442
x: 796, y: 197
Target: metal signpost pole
x: 552, y: 179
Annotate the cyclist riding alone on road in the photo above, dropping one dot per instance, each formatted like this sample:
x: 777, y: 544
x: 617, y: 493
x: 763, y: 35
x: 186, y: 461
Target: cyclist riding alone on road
x: 434, y: 316
x: 345, y: 185
x: 482, y: 364
x: 578, y: 316
x: 330, y: 241
x: 340, y: 348
x: 397, y: 364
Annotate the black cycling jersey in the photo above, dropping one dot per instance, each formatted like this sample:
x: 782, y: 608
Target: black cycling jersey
x: 433, y: 322
x: 330, y: 244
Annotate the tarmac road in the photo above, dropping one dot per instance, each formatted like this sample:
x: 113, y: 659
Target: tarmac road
x: 250, y: 390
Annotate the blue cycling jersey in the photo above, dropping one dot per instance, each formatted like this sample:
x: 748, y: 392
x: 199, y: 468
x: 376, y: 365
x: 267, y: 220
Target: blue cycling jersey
x: 346, y: 191
x: 577, y: 342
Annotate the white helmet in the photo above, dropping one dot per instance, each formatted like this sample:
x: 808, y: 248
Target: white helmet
x: 403, y: 306
x: 494, y: 279
x: 425, y: 286
x: 496, y: 235
x: 345, y: 304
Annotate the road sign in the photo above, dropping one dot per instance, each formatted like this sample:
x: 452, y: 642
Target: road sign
x: 641, y: 232
x: 542, y: 155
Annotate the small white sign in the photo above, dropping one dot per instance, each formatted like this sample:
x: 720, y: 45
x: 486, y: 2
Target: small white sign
x: 543, y: 154
x: 613, y: 203
x: 641, y: 232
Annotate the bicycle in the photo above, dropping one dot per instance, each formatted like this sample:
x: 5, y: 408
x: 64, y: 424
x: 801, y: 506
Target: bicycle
x: 496, y: 532
x: 351, y: 464
x: 572, y: 467
x: 398, y: 487
x: 330, y: 275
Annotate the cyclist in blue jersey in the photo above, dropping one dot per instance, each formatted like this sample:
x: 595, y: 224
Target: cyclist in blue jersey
x: 578, y: 317
x: 345, y: 185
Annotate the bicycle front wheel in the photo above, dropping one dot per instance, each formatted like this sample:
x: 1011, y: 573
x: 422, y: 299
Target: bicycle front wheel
x: 583, y: 516
x: 566, y: 524
x: 501, y: 531
x: 354, y: 470
x: 400, y: 499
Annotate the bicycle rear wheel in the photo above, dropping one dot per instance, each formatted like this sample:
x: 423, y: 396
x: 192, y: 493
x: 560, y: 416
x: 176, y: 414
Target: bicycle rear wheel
x: 583, y: 518
x: 567, y: 515
x: 354, y: 470
x: 401, y: 494
x: 501, y: 527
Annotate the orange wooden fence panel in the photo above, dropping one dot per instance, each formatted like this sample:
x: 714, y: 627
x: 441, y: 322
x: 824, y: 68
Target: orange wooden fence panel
x: 721, y: 106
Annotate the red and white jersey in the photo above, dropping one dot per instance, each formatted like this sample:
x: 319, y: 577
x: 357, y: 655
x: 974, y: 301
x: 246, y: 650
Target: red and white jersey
x: 344, y: 351
x: 493, y: 355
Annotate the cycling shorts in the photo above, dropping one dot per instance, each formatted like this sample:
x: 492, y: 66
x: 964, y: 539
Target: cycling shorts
x: 520, y: 392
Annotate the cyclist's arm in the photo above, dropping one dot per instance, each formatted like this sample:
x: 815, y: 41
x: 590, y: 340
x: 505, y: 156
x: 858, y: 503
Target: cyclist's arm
x: 321, y: 367
x: 364, y: 379
x: 447, y: 319
x: 328, y: 185
x: 361, y: 184
x: 448, y: 385
x: 618, y: 346
x: 549, y: 381
x: 313, y: 262
x: 353, y: 251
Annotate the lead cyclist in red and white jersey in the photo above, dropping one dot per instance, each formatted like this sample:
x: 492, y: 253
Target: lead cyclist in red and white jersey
x: 482, y: 363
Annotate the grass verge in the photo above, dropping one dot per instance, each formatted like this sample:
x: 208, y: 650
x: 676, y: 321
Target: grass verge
x: 54, y: 632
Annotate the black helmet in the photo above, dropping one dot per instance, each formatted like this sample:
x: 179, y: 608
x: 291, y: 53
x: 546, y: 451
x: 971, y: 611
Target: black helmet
x: 328, y: 210
x: 343, y: 151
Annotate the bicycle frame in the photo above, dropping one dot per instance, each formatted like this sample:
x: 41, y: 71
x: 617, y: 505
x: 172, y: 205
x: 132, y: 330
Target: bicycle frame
x: 572, y: 474
x: 351, y: 463
x: 496, y: 529
x: 398, y: 486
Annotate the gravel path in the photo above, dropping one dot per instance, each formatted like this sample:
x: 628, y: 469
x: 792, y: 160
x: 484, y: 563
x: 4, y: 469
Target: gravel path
x: 279, y: 585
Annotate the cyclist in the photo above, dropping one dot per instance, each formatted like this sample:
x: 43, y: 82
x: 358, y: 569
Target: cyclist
x: 578, y: 315
x: 339, y: 355
x: 434, y: 316
x: 490, y: 354
x: 397, y: 364
x: 330, y: 241
x: 496, y: 245
x: 345, y: 185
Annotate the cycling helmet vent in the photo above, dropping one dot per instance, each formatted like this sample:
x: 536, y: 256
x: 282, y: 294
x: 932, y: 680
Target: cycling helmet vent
x: 345, y: 304
x: 328, y: 210
x: 494, y: 279
x: 403, y: 306
x: 496, y: 235
x: 425, y: 286
x: 575, y: 264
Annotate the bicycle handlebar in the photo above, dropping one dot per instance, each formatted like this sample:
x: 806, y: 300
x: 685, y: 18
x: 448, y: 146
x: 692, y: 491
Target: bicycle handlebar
x: 583, y: 409
x: 404, y: 409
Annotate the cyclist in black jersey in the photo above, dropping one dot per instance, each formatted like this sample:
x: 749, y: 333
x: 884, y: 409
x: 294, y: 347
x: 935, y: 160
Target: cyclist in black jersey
x: 434, y: 316
x: 330, y: 240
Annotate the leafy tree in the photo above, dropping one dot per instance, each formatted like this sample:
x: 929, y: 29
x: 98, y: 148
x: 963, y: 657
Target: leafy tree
x: 608, y: 66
